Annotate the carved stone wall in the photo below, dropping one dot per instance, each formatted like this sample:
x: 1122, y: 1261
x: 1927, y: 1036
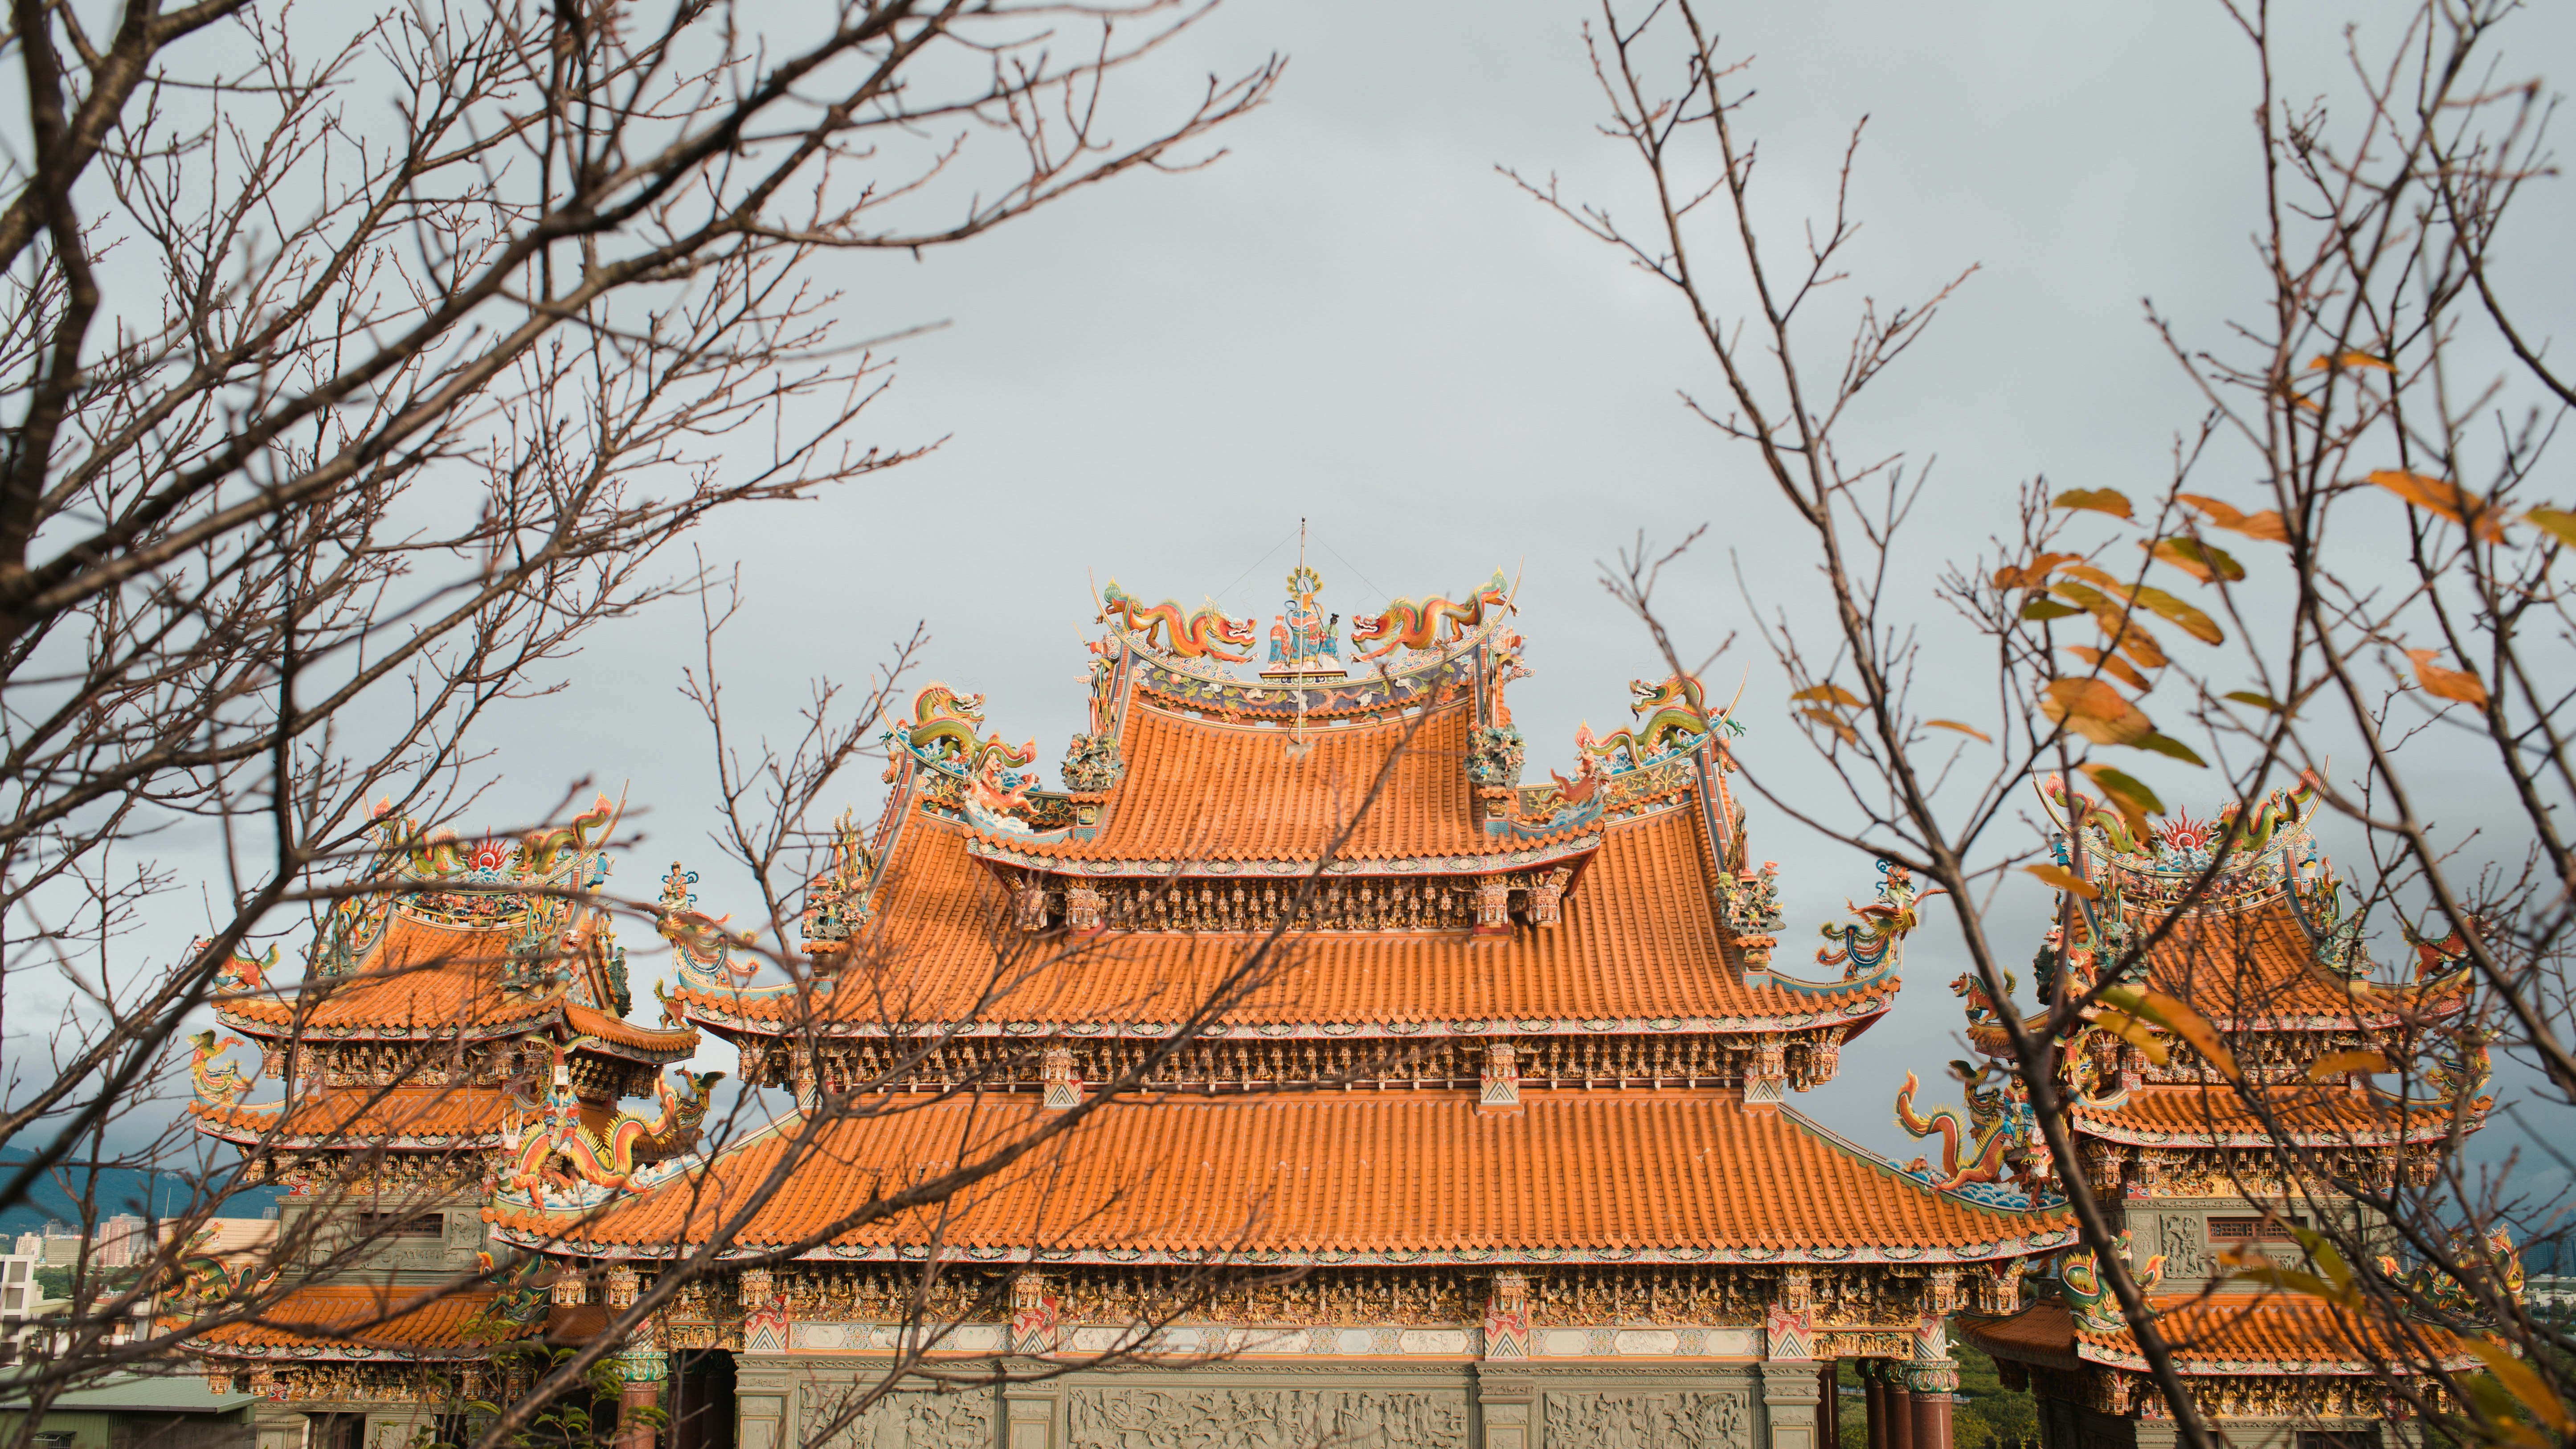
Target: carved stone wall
x: 1598, y: 1420
x: 828, y: 1419
x: 1265, y: 1418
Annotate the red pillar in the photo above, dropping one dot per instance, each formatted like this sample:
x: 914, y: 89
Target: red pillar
x: 632, y: 1431
x: 1874, y: 1384
x: 1900, y: 1407
x: 1932, y: 1419
x: 1829, y: 1388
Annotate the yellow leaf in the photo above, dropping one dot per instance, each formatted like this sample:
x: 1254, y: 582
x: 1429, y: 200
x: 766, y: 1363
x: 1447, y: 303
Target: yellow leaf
x: 2193, y: 621
x: 2456, y: 684
x: 2138, y: 644
x: 2558, y: 521
x: 2320, y: 362
x: 2099, y: 500
x: 2110, y: 664
x: 2440, y: 496
x: 1833, y: 722
x: 2344, y: 1064
x: 2266, y: 525
x: 2094, y: 710
x: 2522, y: 1381
x: 2092, y: 575
x: 2136, y: 1033
x: 1965, y: 729
x: 2042, y: 610
x: 2064, y: 879
x: 1827, y: 694
x: 2033, y: 574
x: 2182, y: 1021
x: 2255, y: 699
x: 2202, y: 561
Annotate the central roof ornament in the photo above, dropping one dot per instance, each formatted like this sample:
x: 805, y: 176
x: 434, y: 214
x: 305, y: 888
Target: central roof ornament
x: 1305, y: 643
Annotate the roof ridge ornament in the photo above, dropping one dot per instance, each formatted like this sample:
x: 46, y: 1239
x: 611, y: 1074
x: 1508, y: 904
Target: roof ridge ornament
x: 1433, y: 623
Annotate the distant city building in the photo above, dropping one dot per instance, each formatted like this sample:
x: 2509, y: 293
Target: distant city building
x: 121, y: 1242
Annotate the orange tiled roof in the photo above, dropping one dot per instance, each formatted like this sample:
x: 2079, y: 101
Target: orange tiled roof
x: 1412, y: 1177
x: 2271, y: 1332
x: 1639, y: 941
x: 1205, y: 789
x: 453, y: 1116
x: 426, y: 981
x: 2257, y: 963
x: 2317, y: 1115
x: 364, y: 1321
x: 2220, y: 1333
x: 590, y: 1021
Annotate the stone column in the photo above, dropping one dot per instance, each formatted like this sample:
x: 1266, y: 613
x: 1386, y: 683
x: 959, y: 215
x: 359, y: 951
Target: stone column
x: 1505, y: 1406
x: 1789, y: 1402
x: 645, y: 1370
x: 1028, y: 1416
x: 1874, y: 1385
x: 760, y: 1401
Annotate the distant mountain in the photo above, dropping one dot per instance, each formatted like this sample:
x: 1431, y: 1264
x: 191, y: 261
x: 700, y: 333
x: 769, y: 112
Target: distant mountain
x: 120, y: 1190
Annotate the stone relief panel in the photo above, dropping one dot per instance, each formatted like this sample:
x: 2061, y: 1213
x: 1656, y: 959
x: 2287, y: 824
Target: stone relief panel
x: 902, y: 1421
x: 1123, y: 1418
x: 1712, y: 1420
x: 2185, y: 1244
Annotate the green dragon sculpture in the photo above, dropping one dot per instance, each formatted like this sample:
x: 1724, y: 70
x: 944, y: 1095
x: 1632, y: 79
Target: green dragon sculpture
x: 1674, y: 709
x: 225, y: 1086
x: 943, y: 726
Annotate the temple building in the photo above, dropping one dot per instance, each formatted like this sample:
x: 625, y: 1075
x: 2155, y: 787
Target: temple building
x: 2200, y: 1176
x: 1296, y: 1073
x: 458, y: 1010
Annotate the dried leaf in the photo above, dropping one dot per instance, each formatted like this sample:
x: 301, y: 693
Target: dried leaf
x: 2344, y: 1064
x: 2139, y: 645
x: 1834, y: 722
x: 2444, y: 683
x: 2171, y: 1014
x: 2320, y: 362
x: 2032, y: 575
x: 1965, y: 729
x: 2172, y: 749
x: 2440, y: 496
x: 2110, y: 664
x: 2092, y: 575
x: 2094, y: 710
x: 1827, y: 694
x: 2202, y: 561
x: 2193, y: 621
x: 2065, y: 880
x: 2559, y: 522
x: 2133, y: 800
x: 2098, y: 500
x: 2136, y: 1033
x: 2522, y: 1381
x: 2042, y: 610
x: 2266, y: 525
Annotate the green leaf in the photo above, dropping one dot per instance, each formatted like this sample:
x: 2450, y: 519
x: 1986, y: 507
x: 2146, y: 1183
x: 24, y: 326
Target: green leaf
x: 2098, y: 500
x: 2043, y: 609
x: 2560, y: 523
x: 2258, y: 701
x: 2170, y: 748
x: 2127, y: 787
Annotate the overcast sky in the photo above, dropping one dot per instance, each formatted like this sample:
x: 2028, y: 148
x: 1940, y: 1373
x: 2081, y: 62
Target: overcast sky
x: 1353, y: 319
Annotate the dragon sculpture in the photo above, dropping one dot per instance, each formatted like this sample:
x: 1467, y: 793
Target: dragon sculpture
x: 1203, y: 633
x: 241, y: 973
x: 1410, y: 625
x: 1868, y: 942
x: 943, y: 727
x: 602, y: 1160
x: 1674, y: 711
x: 204, y: 1277
x: 1996, y: 1128
x: 226, y: 1085
x: 2096, y: 1308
